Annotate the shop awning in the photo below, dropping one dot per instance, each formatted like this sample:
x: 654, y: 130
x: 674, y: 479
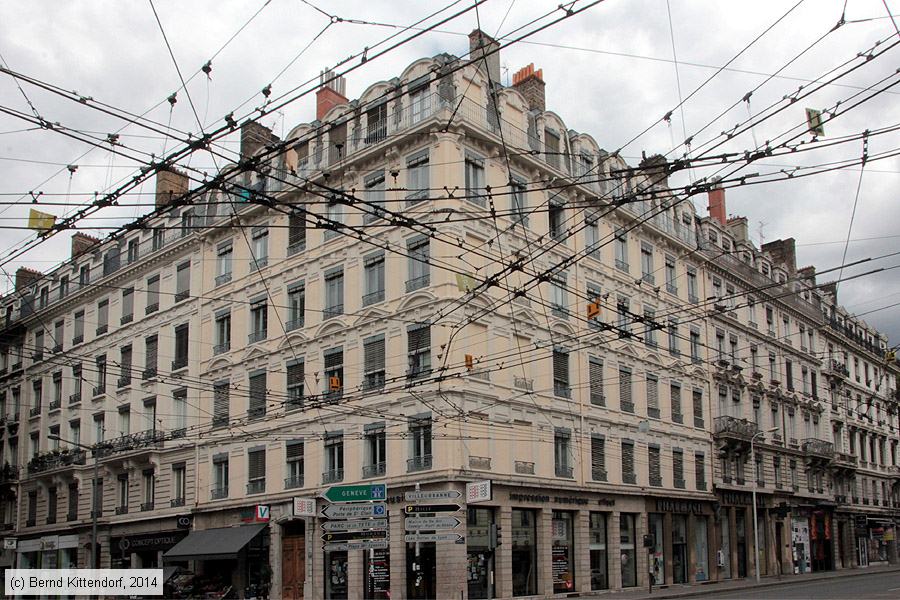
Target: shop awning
x: 214, y: 544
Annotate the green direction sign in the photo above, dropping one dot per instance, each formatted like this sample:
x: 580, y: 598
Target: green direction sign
x: 356, y: 493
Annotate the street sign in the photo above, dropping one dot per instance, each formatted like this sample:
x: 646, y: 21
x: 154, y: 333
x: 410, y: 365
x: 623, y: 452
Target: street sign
x: 479, y: 491
x: 346, y: 536
x: 354, y: 511
x: 355, y: 525
x: 9, y: 543
x: 364, y: 545
x: 432, y: 537
x: 356, y: 493
x: 432, y: 495
x: 414, y: 523
x: 431, y: 508
x: 304, y: 507
x: 263, y: 512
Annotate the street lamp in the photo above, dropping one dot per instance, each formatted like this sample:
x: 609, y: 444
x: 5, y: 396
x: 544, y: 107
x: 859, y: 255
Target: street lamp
x: 93, y: 558
x: 755, y: 485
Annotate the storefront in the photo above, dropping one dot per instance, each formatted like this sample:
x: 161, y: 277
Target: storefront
x: 143, y: 551
x: 874, y: 538
x: 48, y: 552
x: 680, y: 532
x: 735, y: 556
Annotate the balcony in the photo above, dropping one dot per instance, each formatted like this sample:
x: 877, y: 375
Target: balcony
x: 35, y: 411
x: 564, y: 471
x: 75, y: 398
x: 257, y: 486
x: 72, y: 516
x: 561, y: 390
x: 523, y: 383
x: 123, y: 381
x: 99, y: 390
x: 149, y: 373
x: 121, y: 510
x: 629, y: 478
x: 293, y: 324
x: 373, y: 298
x: 146, y: 506
x: 149, y: 438
x: 56, y: 404
x: 256, y: 336
x: 648, y: 278
x: 417, y: 283
x: 622, y: 265
x: 598, y: 474
x: 176, y: 502
x: 126, y: 319
x: 101, y: 329
x: 418, y: 463
x: 56, y: 459
x: 734, y: 434
x: 221, y: 348
x: 524, y: 468
x: 672, y: 289
x: 179, y: 363
x: 292, y: 483
x: 259, y: 263
x: 296, y: 248
x: 223, y: 279
x: 374, y: 470
x: 217, y: 493
x: 836, y: 369
x: 182, y: 295
x: 818, y: 449
x: 56, y: 349
x: 9, y: 473
x: 151, y: 308
x: 333, y: 476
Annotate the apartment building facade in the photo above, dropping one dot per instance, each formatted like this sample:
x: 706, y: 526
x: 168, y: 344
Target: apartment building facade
x: 437, y: 283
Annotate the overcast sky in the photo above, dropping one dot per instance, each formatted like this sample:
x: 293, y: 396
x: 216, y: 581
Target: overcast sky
x: 609, y: 72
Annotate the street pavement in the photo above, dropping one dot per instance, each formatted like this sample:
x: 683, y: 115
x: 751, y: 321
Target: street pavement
x: 873, y: 585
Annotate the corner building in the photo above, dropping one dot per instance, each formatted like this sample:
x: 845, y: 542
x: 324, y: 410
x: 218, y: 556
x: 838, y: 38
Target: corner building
x: 346, y: 313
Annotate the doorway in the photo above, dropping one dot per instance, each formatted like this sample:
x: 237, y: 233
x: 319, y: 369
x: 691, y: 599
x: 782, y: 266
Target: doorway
x: 421, y: 571
x: 779, y: 545
x: 740, y: 526
x: 862, y: 551
x: 293, y: 560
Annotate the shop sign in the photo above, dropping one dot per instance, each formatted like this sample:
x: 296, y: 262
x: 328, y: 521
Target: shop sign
x: 679, y: 506
x: 740, y: 499
x: 263, y: 512
x: 479, y: 491
x: 9, y: 543
x: 544, y: 498
x: 889, y: 534
x: 258, y: 514
x: 152, y: 541
x: 50, y: 542
x: 304, y: 507
x: 861, y: 521
x: 184, y: 521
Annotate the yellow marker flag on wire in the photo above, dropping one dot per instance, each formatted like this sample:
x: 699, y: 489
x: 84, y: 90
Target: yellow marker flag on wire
x: 40, y: 221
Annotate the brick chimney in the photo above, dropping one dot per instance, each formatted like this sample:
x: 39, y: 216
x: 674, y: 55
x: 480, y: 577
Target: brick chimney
x: 329, y: 94
x: 783, y: 252
x: 530, y: 83
x: 25, y: 277
x: 81, y: 243
x: 480, y: 44
x: 716, y: 199
x: 253, y: 137
x: 169, y: 185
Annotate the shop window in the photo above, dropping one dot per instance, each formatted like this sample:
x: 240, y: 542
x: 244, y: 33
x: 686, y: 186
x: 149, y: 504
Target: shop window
x: 597, y: 549
x: 657, y: 556
x: 524, y: 552
x: 481, y: 544
x: 628, y: 550
x: 563, y: 552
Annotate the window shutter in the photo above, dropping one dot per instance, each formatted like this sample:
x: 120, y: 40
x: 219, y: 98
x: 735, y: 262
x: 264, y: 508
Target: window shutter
x: 676, y: 402
x: 595, y: 373
x: 628, y: 461
x: 700, y: 470
x: 654, y: 467
x: 294, y: 451
x: 295, y: 374
x: 374, y: 355
x: 220, y: 403
x: 598, y: 458
x: 698, y: 408
x: 652, y: 396
x: 257, y: 395
x: 678, y: 467
x: 256, y: 464
x: 296, y: 230
x: 561, y: 367
x: 151, y: 352
x: 419, y: 339
x: 625, y: 390
x: 333, y: 359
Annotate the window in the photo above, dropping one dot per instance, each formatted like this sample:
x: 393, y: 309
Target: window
x: 224, y: 254
x: 519, y: 194
x: 53, y: 438
x: 652, y: 396
x: 628, y: 475
x: 222, y: 332
x: 181, y: 347
x: 334, y: 292
x: 475, y: 190
x: 124, y: 420
x: 102, y: 316
x: 420, y: 444
x: 417, y: 180
x: 296, y: 305
x: 673, y: 337
x: 179, y: 410
x: 52, y: 505
x: 625, y: 400
x: 698, y: 408
x: 595, y: 375
x: 220, y: 476
x: 559, y: 301
x: 671, y: 286
x: 179, y: 484
x: 84, y: 275
x: 700, y: 470
x: 256, y: 470
x: 595, y: 296
x: 152, y: 294
x: 789, y: 375
x: 78, y: 328
x: 376, y: 123
x: 375, y: 450
x: 293, y: 451
x: 675, y: 401
x: 182, y: 281
x: 63, y: 286
x: 257, y: 406
x: 334, y: 457
x: 122, y: 494
x: 622, y: 316
x: 373, y: 359
x: 296, y: 233
x: 419, y: 101
x: 31, y: 519
x: 100, y: 361
x: 693, y: 297
x: 373, y: 274
x: 374, y: 194
x: 598, y: 457
x: 151, y: 344
x: 259, y: 320
x: 418, y: 351
x: 678, y: 468
x: 419, y: 253
x: 647, y: 264
x: 653, y: 465
x: 717, y: 287
x: 776, y: 464
x: 159, y: 237
x: 556, y: 220
x: 221, y: 403
x: 760, y: 471
x: 334, y: 372
x: 621, y: 246
x: 562, y: 449
x: 259, y: 247
x: 695, y: 345
x: 99, y: 428
x: 592, y: 237
x: 650, y: 327
x: 561, y: 373
x: 334, y: 212
x: 295, y: 388
x: 127, y: 306
x: 551, y: 147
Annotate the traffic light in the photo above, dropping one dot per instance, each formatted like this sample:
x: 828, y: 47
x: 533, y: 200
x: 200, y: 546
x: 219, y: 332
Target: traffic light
x: 495, y: 536
x: 334, y: 384
x: 649, y: 541
x: 470, y: 362
x: 593, y: 310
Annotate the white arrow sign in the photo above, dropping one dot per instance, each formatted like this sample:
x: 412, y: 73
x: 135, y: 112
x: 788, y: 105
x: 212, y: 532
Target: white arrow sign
x: 364, y: 545
x: 354, y: 511
x: 414, y: 523
x: 355, y: 525
x: 432, y: 537
x: 432, y: 495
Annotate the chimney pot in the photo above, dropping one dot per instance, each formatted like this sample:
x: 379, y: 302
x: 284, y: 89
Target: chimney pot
x: 716, y: 200
x: 530, y: 84
x: 171, y: 183
x: 82, y: 242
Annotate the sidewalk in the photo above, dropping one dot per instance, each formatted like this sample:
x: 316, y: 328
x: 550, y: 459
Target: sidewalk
x: 687, y: 591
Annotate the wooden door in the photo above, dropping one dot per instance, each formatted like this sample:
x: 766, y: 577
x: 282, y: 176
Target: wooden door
x: 293, y: 566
